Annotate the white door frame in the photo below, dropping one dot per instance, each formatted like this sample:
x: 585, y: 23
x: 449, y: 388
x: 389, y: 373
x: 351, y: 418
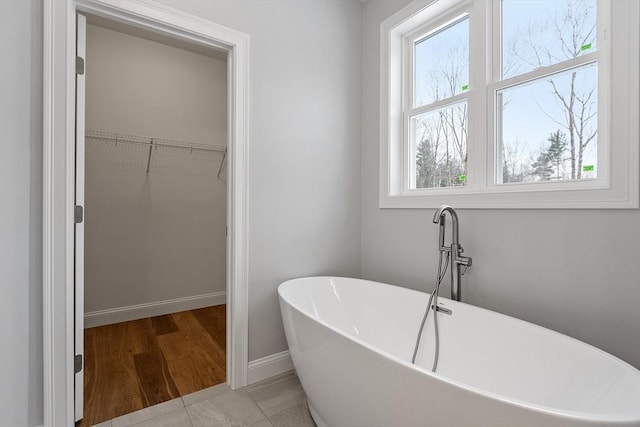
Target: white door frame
x: 81, y: 51
x: 58, y: 182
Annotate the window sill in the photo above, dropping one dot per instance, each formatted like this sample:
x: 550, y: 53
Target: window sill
x: 510, y: 197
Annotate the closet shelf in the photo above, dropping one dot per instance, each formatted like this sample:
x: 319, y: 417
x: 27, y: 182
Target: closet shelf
x: 147, y: 140
x: 157, y: 142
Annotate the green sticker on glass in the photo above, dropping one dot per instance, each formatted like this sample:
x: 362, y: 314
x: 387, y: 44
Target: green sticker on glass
x: 587, y: 168
x: 585, y: 47
x: 462, y: 178
x: 465, y: 87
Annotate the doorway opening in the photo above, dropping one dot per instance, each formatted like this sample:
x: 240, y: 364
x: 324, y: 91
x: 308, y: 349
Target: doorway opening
x: 61, y: 321
x: 151, y: 150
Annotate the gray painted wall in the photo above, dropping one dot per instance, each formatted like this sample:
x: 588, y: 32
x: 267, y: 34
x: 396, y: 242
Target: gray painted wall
x: 574, y: 271
x: 20, y: 213
x: 304, y: 154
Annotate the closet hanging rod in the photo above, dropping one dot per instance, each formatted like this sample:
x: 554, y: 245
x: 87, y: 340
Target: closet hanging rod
x: 158, y: 142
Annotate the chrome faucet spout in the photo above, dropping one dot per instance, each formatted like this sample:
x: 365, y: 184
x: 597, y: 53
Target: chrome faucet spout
x: 439, y: 217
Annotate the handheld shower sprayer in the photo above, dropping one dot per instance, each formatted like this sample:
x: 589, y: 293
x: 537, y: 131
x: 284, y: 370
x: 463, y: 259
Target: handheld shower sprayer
x: 453, y: 254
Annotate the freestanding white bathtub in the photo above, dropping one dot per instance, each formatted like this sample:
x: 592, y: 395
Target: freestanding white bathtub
x: 351, y: 343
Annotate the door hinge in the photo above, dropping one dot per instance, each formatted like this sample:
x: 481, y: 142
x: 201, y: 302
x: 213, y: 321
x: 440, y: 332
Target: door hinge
x: 77, y: 363
x: 78, y: 214
x: 79, y: 65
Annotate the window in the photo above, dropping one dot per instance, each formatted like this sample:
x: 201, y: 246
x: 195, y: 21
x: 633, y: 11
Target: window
x: 510, y: 103
x: 438, y: 119
x: 547, y: 113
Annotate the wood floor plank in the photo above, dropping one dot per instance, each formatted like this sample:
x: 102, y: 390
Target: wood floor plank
x: 188, y: 324
x: 195, y: 360
x: 178, y: 346
x: 174, y: 345
x: 163, y: 325
x: 195, y: 372
x: 139, y: 336
x: 204, y: 366
x: 213, y: 320
x: 199, y: 337
x: 111, y: 384
x: 131, y: 365
x: 155, y: 381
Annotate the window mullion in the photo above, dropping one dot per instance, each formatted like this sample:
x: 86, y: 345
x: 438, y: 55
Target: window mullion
x: 476, y: 122
x: 604, y: 91
x: 408, y: 90
x: 493, y: 156
x: 546, y: 71
x: 438, y: 105
x: 494, y: 31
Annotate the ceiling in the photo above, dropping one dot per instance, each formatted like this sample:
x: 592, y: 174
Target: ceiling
x: 191, y: 46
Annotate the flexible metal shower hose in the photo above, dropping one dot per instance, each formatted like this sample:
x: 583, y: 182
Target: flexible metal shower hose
x: 433, y: 298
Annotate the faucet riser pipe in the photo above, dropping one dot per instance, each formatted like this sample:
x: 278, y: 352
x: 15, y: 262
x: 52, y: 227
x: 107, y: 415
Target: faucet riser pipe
x: 455, y: 250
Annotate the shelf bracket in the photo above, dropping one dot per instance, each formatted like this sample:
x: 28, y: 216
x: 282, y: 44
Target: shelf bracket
x: 224, y: 157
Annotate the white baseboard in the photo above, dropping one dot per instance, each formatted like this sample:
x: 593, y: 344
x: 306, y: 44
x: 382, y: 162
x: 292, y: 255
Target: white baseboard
x: 158, y: 308
x: 269, y: 366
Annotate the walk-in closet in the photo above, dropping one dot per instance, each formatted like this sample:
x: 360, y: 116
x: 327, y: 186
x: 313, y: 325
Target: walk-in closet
x: 155, y: 219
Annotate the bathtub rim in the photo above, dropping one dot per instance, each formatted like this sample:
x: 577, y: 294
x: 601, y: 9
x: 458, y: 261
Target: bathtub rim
x: 568, y: 414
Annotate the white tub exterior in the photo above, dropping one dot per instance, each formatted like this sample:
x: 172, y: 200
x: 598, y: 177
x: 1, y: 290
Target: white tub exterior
x: 351, y: 343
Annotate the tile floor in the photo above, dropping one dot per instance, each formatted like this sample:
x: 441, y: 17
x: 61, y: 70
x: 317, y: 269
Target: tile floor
x: 275, y: 402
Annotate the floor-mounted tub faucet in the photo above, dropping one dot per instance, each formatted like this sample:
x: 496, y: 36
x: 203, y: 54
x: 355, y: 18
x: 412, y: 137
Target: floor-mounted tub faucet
x: 455, y: 250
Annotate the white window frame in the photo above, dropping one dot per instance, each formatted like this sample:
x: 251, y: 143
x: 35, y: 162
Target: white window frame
x: 410, y: 110
x: 617, y: 184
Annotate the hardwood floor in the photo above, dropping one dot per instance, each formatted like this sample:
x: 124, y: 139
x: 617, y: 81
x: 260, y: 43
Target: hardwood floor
x: 136, y: 364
